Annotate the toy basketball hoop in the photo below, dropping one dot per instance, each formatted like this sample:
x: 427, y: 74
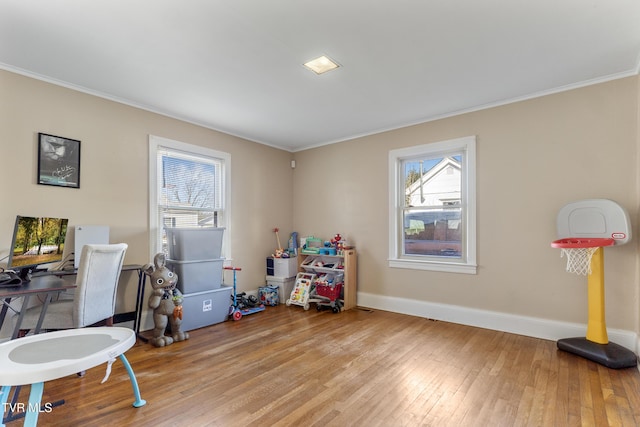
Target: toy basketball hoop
x: 579, y: 252
x: 584, y: 227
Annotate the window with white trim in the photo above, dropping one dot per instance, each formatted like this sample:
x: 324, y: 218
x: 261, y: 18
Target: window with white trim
x: 432, y: 206
x: 189, y: 187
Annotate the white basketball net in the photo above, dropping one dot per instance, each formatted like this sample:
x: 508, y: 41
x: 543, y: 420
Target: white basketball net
x: 578, y: 259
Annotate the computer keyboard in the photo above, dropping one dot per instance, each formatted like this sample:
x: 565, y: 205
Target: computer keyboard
x: 9, y: 279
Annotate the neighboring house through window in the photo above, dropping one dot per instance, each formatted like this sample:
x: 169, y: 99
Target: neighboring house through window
x: 189, y: 187
x: 432, y: 206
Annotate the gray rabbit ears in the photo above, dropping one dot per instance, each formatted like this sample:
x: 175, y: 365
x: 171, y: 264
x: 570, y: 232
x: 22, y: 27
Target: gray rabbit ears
x: 158, y: 263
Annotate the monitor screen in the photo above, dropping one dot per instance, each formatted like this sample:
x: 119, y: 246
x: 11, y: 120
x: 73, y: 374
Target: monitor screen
x: 36, y: 241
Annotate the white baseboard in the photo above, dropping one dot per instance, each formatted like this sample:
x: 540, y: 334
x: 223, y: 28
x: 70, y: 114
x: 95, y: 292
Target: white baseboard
x: 521, y: 325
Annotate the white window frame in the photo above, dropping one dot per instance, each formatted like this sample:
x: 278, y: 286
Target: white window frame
x: 154, y: 143
x: 467, y: 263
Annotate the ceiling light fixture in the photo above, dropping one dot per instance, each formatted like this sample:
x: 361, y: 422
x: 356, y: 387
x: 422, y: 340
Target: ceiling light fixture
x: 321, y: 65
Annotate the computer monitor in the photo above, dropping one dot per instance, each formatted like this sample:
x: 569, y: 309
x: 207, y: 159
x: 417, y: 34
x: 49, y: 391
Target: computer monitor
x: 36, y: 241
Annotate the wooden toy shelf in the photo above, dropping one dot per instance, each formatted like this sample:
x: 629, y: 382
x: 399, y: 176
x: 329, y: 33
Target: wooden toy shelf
x: 347, y: 260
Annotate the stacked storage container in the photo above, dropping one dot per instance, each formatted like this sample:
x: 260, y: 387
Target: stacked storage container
x: 195, y: 256
x: 281, y: 274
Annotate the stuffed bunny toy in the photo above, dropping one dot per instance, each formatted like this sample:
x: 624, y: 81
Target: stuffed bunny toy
x: 166, y: 302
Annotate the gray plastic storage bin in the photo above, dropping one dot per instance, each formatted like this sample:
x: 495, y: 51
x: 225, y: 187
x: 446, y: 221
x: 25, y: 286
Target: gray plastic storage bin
x: 191, y: 244
x: 205, y: 308
x: 284, y: 284
x: 197, y: 276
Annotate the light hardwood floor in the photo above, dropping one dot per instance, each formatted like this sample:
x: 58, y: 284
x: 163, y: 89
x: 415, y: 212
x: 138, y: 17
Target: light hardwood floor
x: 290, y: 367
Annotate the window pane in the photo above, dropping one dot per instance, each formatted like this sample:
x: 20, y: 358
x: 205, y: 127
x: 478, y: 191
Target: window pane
x: 189, y: 191
x: 433, y: 232
x: 433, y: 184
x: 432, y: 206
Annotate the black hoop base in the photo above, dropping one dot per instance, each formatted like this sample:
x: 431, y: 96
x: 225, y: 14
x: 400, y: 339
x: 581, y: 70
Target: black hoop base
x: 610, y: 355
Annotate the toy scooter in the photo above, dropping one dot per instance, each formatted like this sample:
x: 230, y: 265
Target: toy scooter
x: 242, y: 304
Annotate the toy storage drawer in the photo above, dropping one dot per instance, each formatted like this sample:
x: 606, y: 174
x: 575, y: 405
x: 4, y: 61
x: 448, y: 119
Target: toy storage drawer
x: 190, y: 244
x: 205, y: 308
x: 197, y: 276
x: 282, y: 267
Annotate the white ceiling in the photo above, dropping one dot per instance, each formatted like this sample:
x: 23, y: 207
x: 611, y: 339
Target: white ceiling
x: 236, y: 65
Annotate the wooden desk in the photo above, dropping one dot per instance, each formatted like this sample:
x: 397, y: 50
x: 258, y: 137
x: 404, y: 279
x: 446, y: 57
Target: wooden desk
x: 51, y: 282
x: 136, y: 315
x: 40, y: 285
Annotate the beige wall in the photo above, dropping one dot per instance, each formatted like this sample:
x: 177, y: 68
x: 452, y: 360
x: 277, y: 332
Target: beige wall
x: 533, y: 157
x: 637, y: 222
x: 114, y: 173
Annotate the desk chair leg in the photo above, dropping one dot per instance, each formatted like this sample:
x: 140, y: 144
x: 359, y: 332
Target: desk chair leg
x: 134, y: 383
x: 16, y: 330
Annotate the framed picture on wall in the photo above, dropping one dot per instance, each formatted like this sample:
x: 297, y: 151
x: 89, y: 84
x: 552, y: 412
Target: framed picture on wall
x: 58, y: 161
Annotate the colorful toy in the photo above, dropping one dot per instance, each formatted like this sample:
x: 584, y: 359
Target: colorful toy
x: 293, y: 243
x: 312, y: 245
x: 242, y: 305
x: 329, y: 296
x: 279, y: 251
x: 166, y: 302
x: 268, y: 295
x: 301, y: 292
x: 338, y: 244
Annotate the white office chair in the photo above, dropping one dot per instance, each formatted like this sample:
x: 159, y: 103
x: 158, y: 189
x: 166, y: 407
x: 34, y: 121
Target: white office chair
x: 94, y: 299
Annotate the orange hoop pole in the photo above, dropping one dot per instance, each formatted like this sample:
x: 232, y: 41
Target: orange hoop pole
x: 596, y: 326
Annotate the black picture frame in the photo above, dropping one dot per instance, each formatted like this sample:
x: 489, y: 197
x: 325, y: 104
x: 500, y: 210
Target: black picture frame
x: 58, y: 161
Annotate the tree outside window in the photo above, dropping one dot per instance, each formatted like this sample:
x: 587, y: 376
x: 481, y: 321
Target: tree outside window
x: 189, y: 189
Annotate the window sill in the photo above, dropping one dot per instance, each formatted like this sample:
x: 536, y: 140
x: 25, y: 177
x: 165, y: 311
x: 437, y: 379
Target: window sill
x: 446, y: 267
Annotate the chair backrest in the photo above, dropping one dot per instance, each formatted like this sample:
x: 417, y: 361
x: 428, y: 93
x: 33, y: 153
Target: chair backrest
x: 97, y: 283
